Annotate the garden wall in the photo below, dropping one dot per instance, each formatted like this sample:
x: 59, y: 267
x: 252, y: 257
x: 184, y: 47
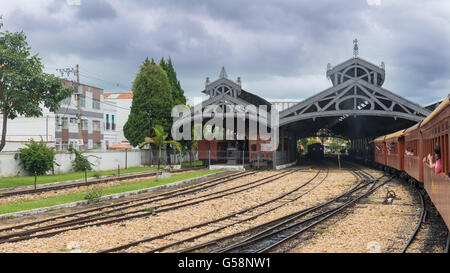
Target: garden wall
x: 102, y: 160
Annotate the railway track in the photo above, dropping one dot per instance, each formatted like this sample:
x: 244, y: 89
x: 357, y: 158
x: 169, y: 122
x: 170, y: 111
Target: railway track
x: 422, y: 217
x: 429, y: 232
x: 227, y: 221
x: 99, y: 181
x: 271, y: 235
x: 103, y: 215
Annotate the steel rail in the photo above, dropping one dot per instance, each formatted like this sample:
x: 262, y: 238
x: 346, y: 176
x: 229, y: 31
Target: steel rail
x: 249, y: 209
x: 77, y: 184
x: 304, y: 211
x: 331, y: 213
x: 272, y: 229
x: 208, y: 222
x: 169, y: 194
x: 26, y: 235
x: 419, y: 224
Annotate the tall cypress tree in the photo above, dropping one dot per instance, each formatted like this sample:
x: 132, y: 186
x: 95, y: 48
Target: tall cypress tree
x: 151, y: 105
x: 177, y: 91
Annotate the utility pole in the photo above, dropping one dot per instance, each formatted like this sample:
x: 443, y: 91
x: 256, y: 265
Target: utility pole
x: 76, y: 85
x: 80, y: 134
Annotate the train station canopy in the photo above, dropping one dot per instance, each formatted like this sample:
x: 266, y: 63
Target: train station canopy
x: 356, y: 106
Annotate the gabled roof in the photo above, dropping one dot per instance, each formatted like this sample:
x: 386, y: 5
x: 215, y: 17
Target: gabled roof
x: 233, y: 89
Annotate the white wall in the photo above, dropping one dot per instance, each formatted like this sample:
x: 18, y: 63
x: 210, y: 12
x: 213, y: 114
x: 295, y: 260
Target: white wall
x: 21, y: 129
x: 108, y: 161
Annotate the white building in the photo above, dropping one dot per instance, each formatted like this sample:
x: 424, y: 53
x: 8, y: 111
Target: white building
x: 123, y: 106
x: 110, y: 125
x: 60, y: 129
x: 21, y: 129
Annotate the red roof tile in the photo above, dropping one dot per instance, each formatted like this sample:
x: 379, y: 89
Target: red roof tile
x: 118, y: 96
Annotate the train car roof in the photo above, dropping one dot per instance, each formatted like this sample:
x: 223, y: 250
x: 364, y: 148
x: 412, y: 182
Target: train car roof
x: 439, y: 109
x: 412, y: 128
x: 395, y: 135
x: 378, y: 139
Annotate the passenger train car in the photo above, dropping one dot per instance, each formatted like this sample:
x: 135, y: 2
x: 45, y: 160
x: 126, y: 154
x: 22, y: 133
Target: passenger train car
x: 406, y: 150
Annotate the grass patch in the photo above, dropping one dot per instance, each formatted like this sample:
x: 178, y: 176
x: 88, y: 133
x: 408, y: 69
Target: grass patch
x: 73, y: 197
x: 197, y: 163
x: 17, y: 181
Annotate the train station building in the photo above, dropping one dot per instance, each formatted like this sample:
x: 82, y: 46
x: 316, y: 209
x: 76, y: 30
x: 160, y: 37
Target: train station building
x: 354, y: 107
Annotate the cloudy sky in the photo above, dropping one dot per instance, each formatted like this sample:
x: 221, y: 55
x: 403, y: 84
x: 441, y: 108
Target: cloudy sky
x: 280, y: 49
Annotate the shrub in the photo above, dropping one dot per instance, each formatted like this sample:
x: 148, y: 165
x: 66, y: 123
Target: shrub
x: 36, y: 158
x: 93, y: 194
x: 81, y: 162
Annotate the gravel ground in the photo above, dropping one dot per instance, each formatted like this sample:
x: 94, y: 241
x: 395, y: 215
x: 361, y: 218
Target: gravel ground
x: 335, y: 184
x: 371, y: 226
x: 96, y: 238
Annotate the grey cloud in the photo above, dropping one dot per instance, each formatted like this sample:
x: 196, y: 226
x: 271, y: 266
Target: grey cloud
x: 253, y: 39
x: 96, y: 10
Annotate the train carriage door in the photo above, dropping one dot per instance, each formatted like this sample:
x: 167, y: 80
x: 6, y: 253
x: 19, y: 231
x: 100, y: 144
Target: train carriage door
x: 401, y: 153
x: 447, y: 151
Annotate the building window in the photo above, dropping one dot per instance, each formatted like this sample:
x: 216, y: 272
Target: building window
x: 57, y: 122
x: 65, y: 146
x: 95, y: 104
x: 84, y: 124
x: 83, y: 101
x: 73, y: 120
x: 107, y: 122
x: 65, y: 123
x: 95, y: 125
x: 58, y: 145
x: 113, y: 124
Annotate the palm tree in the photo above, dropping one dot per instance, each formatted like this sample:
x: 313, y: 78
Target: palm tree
x: 159, y: 140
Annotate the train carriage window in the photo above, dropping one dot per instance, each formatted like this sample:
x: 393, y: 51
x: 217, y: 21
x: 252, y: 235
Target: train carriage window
x: 393, y: 147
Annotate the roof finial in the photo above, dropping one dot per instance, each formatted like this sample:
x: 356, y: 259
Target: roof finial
x: 355, y: 48
x: 223, y: 73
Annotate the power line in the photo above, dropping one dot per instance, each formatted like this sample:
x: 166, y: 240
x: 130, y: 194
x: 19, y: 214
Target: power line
x: 91, y: 76
x: 110, y: 82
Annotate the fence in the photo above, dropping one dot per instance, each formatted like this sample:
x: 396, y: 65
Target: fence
x: 150, y: 157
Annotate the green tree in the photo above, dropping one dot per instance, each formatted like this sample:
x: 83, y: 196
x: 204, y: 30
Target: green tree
x: 177, y: 91
x: 159, y: 140
x: 312, y: 141
x: 151, y: 105
x: 36, y: 158
x: 335, y: 147
x: 24, y: 87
